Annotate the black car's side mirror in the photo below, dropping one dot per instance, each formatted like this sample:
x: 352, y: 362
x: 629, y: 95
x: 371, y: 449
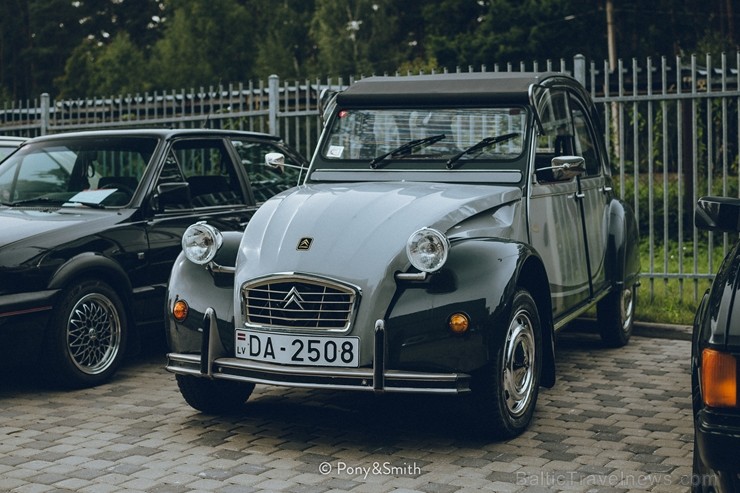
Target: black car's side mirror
x: 562, y: 168
x: 721, y: 214
x: 173, y: 195
x: 276, y: 161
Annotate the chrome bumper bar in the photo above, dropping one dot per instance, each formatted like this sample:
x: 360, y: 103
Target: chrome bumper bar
x: 375, y: 379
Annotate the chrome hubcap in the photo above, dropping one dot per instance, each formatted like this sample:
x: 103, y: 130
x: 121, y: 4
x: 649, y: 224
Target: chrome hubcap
x: 519, y: 364
x: 627, y: 306
x: 93, y: 333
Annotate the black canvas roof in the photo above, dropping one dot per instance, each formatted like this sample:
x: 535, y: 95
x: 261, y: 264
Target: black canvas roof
x: 443, y: 89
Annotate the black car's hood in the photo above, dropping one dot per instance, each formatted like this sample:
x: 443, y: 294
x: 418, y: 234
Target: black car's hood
x: 23, y: 224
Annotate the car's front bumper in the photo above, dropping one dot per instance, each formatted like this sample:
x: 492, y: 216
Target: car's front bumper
x: 210, y: 364
x: 718, y: 439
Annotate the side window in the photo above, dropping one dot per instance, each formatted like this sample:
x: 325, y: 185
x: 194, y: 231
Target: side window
x: 265, y: 180
x: 557, y: 139
x: 584, y: 142
x: 209, y: 171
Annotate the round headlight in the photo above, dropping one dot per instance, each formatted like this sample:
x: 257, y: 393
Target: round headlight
x: 200, y: 242
x: 427, y: 249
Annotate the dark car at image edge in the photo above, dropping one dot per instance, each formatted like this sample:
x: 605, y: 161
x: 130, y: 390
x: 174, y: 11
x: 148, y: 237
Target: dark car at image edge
x: 715, y: 353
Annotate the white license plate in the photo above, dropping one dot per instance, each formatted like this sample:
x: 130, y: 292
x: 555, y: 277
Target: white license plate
x: 298, y: 350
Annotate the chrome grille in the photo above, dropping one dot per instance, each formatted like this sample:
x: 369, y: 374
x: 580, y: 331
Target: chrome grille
x: 298, y: 303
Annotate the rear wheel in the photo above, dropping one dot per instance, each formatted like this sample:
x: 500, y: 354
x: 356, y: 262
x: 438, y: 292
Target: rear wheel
x: 505, y: 391
x: 615, y: 314
x: 87, y: 335
x: 213, y: 396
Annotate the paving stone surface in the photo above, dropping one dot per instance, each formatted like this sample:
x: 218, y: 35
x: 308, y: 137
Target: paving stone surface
x: 617, y: 420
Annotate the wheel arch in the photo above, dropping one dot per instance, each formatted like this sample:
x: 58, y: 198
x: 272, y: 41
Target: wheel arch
x: 623, y: 255
x: 89, y: 265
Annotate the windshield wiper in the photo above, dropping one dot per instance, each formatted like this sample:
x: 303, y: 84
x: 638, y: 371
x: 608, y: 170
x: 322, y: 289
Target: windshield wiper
x: 406, y: 148
x: 487, y: 142
x: 41, y: 200
x: 47, y: 200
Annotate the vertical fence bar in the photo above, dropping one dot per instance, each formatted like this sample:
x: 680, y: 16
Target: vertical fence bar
x: 695, y: 161
x: 679, y: 158
x: 710, y: 154
x: 635, y: 145
x: 45, y: 111
x: 273, y: 85
x: 666, y: 187
x: 651, y: 173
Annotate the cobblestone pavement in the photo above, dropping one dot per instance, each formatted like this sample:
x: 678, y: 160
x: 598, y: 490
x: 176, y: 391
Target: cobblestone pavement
x: 617, y: 420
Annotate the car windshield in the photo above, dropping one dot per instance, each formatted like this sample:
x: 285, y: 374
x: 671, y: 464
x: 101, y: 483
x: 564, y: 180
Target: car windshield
x: 95, y: 172
x: 396, y: 136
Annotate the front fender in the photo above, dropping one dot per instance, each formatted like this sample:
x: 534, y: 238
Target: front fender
x: 479, y: 279
x: 623, y: 247
x: 202, y: 289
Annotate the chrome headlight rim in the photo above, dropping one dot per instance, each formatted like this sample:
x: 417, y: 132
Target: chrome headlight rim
x: 427, y: 249
x: 201, y: 242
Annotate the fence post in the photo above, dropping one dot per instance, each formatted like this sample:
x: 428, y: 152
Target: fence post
x: 273, y: 102
x: 45, y: 112
x: 579, y: 69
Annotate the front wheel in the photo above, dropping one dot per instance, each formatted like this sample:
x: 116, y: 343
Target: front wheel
x: 213, y: 396
x: 87, y: 335
x: 505, y: 391
x: 615, y: 314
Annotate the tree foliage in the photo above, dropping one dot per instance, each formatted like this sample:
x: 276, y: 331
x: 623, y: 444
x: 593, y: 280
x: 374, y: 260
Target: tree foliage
x: 78, y: 48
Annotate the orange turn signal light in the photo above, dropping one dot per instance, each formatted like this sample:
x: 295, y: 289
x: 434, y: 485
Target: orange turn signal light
x: 459, y: 323
x: 718, y: 378
x: 180, y: 310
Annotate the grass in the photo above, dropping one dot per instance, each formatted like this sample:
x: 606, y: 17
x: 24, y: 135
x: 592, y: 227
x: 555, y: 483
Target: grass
x: 675, y: 300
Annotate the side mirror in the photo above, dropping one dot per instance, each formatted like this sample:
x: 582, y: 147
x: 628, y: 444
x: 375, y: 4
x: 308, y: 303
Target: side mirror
x: 721, y: 214
x: 174, y: 195
x: 562, y: 168
x: 275, y: 160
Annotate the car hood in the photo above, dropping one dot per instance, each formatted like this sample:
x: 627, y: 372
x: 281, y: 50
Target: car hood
x: 23, y: 224
x: 357, y: 231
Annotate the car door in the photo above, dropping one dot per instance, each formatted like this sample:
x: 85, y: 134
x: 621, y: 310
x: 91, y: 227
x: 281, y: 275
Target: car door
x: 198, y: 181
x: 594, y: 193
x: 554, y: 212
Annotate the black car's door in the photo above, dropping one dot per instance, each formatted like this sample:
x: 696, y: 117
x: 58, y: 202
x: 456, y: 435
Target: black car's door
x: 198, y: 181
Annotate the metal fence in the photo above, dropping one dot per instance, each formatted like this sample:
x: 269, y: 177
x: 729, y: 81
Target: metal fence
x: 672, y: 128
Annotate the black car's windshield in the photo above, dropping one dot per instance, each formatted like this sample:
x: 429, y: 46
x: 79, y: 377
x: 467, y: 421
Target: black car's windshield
x: 375, y: 135
x: 91, y: 171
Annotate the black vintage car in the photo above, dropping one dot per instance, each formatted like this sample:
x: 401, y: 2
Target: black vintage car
x: 91, y: 224
x: 449, y: 226
x: 715, y: 353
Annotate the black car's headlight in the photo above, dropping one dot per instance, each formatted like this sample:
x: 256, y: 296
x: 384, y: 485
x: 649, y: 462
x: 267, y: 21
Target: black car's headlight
x: 200, y: 242
x: 427, y: 249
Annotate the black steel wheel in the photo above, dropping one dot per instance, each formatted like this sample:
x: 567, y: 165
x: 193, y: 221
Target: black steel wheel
x: 615, y: 315
x: 505, y: 391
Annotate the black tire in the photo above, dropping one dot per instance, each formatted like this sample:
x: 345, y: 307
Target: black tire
x: 214, y: 396
x: 87, y: 335
x: 505, y: 391
x: 615, y: 314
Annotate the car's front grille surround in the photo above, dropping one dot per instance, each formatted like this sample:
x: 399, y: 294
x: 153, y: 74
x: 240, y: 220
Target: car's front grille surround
x: 298, y: 302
